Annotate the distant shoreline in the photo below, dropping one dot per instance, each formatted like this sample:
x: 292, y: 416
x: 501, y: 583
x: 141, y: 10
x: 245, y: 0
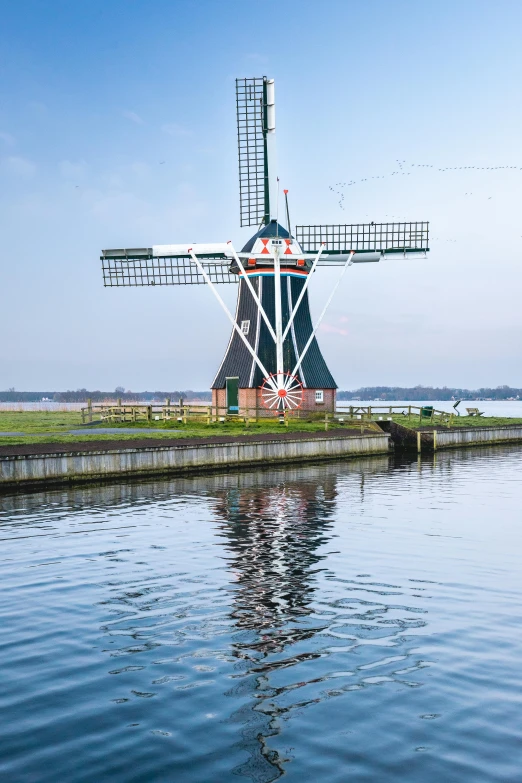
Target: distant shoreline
x: 381, y: 394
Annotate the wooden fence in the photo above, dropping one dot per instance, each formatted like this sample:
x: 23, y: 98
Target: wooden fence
x: 419, y: 414
x: 208, y: 414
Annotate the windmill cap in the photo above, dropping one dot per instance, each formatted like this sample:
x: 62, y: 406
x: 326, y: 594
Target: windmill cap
x: 272, y: 229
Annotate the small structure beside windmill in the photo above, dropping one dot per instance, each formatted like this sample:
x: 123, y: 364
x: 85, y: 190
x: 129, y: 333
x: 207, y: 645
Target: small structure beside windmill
x: 273, y: 360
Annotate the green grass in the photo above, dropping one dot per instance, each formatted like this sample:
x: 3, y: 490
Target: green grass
x: 39, y: 421
x: 57, y: 423
x: 458, y: 421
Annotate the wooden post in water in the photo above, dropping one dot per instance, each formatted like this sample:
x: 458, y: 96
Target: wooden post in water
x: 419, y: 442
x: 434, y: 440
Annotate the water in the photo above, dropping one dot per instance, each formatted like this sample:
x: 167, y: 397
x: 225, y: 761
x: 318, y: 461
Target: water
x: 351, y: 621
x: 511, y: 408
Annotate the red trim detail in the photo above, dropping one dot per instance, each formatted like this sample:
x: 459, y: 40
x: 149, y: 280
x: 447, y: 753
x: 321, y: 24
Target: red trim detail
x: 294, y: 270
x: 265, y: 249
x: 295, y: 399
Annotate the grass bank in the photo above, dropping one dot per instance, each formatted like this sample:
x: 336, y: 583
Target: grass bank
x: 52, y: 427
x: 458, y: 421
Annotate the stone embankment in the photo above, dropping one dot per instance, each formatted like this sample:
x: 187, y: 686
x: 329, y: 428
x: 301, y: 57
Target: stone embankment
x: 432, y: 439
x: 43, y: 464
x: 21, y: 466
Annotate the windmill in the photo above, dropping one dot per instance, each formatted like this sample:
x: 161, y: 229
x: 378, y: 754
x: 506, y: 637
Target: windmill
x: 273, y: 358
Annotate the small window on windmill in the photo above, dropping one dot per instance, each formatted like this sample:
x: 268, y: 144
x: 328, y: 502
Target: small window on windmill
x: 277, y: 241
x: 319, y: 395
x: 245, y: 327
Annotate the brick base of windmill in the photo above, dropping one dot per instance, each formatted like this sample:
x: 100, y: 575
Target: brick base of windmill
x: 251, y: 400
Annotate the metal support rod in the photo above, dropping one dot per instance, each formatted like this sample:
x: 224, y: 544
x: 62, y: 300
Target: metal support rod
x: 254, y: 295
x: 287, y: 214
x: 278, y: 319
x: 303, y: 291
x: 231, y: 318
x: 325, y: 308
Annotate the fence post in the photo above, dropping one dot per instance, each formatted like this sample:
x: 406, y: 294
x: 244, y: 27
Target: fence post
x: 89, y: 409
x: 326, y: 422
x: 149, y: 412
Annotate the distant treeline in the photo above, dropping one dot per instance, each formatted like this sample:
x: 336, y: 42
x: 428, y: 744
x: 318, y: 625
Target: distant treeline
x: 82, y: 395
x: 416, y: 393
x: 386, y: 393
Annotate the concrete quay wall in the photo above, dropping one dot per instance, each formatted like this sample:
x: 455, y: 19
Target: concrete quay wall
x: 476, y: 436
x: 21, y: 470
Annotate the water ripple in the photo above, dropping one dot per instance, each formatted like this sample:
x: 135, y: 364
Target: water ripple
x: 359, y: 620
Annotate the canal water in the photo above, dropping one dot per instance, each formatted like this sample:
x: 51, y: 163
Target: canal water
x: 359, y: 620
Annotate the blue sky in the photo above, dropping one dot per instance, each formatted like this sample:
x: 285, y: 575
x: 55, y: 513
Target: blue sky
x: 93, y: 96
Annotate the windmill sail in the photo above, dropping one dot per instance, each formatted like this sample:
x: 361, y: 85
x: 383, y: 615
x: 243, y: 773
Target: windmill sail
x: 163, y: 265
x: 273, y: 358
x: 255, y: 123
x: 382, y: 238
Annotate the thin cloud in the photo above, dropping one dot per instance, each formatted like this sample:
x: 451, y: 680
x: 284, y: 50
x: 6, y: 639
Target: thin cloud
x: 256, y: 57
x: 20, y: 167
x: 133, y: 117
x: 175, y: 129
x: 39, y: 107
x: 331, y: 329
x: 73, y: 169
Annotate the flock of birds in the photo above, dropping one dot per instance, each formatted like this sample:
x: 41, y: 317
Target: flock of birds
x: 401, y: 170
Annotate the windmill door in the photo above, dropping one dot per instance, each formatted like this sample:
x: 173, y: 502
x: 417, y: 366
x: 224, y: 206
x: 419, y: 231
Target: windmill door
x: 232, y: 395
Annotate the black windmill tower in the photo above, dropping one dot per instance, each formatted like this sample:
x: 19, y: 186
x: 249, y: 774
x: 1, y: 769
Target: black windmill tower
x: 273, y: 359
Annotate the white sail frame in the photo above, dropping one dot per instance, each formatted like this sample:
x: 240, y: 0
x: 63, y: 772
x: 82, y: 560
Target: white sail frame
x: 282, y: 380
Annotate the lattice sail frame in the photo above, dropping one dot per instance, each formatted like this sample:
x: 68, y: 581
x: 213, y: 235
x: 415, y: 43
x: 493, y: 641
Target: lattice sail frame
x: 365, y: 237
x: 254, y: 200
x: 148, y: 270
